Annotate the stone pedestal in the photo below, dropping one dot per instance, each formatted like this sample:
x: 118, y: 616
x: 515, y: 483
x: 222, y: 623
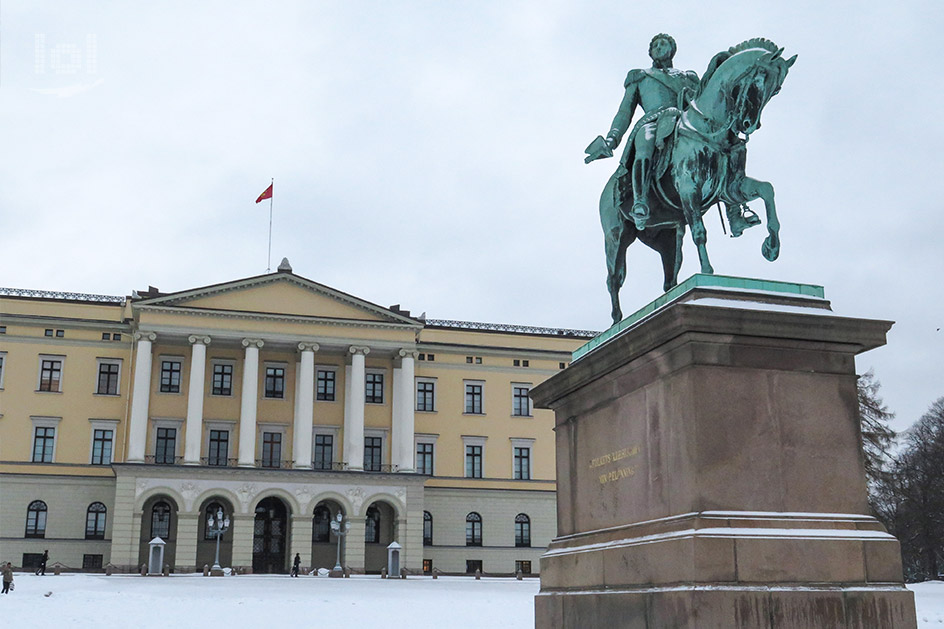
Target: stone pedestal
x: 710, y: 473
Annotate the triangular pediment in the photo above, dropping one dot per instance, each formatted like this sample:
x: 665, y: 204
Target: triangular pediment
x: 283, y: 294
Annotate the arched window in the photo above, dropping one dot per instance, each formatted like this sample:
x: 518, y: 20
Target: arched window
x: 427, y: 528
x: 160, y: 520
x: 95, y: 521
x: 321, y: 525
x: 473, y: 529
x: 522, y: 530
x: 372, y: 526
x: 36, y: 519
x: 211, y: 510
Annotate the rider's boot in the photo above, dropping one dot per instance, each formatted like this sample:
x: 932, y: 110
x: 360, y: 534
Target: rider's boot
x: 740, y: 217
x: 640, y: 212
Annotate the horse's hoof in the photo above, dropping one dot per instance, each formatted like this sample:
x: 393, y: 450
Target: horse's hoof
x: 771, y: 252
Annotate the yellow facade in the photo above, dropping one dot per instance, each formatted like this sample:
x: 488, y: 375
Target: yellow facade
x: 81, y: 420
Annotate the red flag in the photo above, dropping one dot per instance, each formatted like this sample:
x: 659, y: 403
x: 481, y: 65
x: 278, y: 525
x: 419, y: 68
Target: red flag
x: 266, y: 195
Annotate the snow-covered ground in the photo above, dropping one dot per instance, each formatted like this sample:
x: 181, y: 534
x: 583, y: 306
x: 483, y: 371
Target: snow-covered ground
x: 83, y: 600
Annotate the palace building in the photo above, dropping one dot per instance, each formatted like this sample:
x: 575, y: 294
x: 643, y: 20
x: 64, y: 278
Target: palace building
x: 284, y: 402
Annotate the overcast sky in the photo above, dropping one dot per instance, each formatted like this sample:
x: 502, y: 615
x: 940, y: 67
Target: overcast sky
x: 430, y: 154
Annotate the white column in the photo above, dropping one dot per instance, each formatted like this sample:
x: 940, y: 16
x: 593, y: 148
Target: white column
x: 403, y: 418
x: 354, y: 418
x: 141, y: 397
x: 304, y: 407
x: 248, y: 402
x: 195, y: 399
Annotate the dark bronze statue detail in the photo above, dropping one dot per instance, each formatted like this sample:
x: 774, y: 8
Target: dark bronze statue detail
x: 685, y: 154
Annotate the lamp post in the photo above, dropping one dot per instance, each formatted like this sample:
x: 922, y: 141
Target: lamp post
x: 217, y: 527
x: 340, y: 531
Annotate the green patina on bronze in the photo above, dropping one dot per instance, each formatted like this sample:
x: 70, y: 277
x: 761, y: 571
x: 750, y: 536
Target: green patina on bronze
x: 687, y: 153
x: 699, y: 281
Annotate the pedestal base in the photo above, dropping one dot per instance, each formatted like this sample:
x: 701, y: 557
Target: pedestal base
x: 729, y: 607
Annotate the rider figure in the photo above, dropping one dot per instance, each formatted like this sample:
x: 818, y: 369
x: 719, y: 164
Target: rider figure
x: 654, y: 89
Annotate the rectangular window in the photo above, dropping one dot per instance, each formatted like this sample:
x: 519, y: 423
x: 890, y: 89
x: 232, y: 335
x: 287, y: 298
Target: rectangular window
x: 375, y: 388
x: 431, y: 357
x: 31, y: 561
x: 170, y: 376
x: 91, y: 562
x: 44, y: 439
x: 275, y: 382
x: 425, y: 396
x: 106, y: 336
x: 473, y: 398
x: 473, y: 461
x: 116, y: 337
x: 271, y: 449
x: 471, y: 565
x: 50, y: 375
x: 222, y: 379
x: 427, y: 566
x: 3, y: 329
x: 524, y: 566
x: 424, y: 458
x: 373, y: 454
x: 2, y: 360
x: 520, y: 402
x: 108, y: 378
x: 165, y: 447
x: 48, y: 332
x: 218, y: 450
x: 324, y: 452
x: 60, y: 334
x: 325, y: 385
x: 101, y: 446
x: 522, y: 464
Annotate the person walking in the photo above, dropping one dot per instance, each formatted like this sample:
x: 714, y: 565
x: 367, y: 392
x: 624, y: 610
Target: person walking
x: 41, y: 571
x: 296, y: 564
x: 7, y: 571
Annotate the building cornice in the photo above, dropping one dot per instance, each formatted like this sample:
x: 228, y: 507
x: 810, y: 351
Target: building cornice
x: 267, y: 316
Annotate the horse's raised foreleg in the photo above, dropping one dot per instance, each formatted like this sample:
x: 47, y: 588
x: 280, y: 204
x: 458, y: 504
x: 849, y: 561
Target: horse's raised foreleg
x: 751, y: 189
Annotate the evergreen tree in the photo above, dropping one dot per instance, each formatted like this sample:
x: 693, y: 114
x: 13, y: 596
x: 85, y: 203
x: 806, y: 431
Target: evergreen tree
x: 877, y: 437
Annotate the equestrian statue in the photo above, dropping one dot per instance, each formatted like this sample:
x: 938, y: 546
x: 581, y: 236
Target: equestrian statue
x: 686, y: 153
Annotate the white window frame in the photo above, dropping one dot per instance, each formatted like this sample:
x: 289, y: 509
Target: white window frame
x: 473, y: 381
x: 530, y: 403
x: 431, y: 439
x: 44, y: 421
x: 384, y: 440
x: 103, y: 424
x: 337, y: 388
x: 383, y: 389
x: 472, y: 440
x: 62, y: 371
x: 285, y: 379
x: 232, y: 388
x: 332, y: 431
x: 279, y: 428
x: 160, y: 368
x: 3, y: 369
x: 98, y: 365
x: 425, y: 379
x: 167, y: 422
x: 517, y: 442
x: 228, y: 425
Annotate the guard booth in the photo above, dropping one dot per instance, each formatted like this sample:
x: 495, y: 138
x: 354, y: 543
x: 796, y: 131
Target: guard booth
x: 393, y: 560
x: 156, y: 556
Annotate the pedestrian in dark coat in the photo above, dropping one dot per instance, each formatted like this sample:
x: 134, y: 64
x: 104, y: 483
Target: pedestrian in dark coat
x: 298, y: 561
x: 42, y: 563
x: 7, y: 570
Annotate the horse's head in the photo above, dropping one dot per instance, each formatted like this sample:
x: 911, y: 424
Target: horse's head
x: 740, y: 81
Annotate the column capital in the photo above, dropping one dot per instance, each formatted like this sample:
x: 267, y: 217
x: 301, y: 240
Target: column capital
x: 198, y: 338
x: 145, y: 336
x: 308, y: 347
x: 359, y: 349
x: 411, y: 353
x: 258, y: 343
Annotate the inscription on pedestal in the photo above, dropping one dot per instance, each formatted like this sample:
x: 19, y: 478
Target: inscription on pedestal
x: 616, y: 457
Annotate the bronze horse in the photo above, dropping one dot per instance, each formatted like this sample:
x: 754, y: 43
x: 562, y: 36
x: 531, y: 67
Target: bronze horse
x: 701, y: 163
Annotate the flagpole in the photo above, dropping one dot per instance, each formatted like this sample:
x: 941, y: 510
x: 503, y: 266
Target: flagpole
x: 271, y: 196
